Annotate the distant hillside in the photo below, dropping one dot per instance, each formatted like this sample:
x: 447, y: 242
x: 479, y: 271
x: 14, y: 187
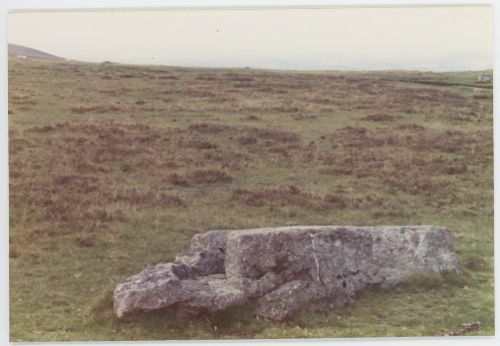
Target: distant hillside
x: 30, y: 53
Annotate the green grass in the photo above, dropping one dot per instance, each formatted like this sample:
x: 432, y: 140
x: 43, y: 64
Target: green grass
x: 114, y: 168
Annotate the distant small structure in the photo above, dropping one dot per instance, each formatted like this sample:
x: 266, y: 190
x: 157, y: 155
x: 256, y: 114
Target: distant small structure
x: 483, y: 78
x: 21, y: 56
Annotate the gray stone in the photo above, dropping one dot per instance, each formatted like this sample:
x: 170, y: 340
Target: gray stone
x: 151, y: 289
x: 206, y: 254
x: 287, y: 269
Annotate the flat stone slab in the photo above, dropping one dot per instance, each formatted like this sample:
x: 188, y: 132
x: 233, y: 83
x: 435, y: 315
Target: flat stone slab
x: 286, y: 269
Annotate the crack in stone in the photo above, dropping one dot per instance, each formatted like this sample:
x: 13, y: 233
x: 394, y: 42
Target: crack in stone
x: 417, y: 249
x: 312, y: 236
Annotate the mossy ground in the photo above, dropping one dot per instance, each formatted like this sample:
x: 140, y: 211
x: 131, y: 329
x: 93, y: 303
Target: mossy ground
x: 114, y: 168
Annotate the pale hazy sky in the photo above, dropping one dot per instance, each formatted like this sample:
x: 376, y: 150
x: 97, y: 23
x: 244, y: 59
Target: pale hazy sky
x: 423, y: 38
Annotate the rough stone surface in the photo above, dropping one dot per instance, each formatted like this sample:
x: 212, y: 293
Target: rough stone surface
x: 206, y: 254
x: 285, y: 270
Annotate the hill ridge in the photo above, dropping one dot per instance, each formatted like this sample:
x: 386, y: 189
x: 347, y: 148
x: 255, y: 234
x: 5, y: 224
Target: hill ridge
x: 31, y: 53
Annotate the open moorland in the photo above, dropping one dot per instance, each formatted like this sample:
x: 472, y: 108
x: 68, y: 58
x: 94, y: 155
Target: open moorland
x: 114, y: 168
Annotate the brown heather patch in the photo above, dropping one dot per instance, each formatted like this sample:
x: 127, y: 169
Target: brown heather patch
x: 199, y: 177
x: 201, y: 145
x: 483, y: 97
x: 303, y: 117
x: 76, y: 182
x: 129, y: 75
x: 149, y: 198
x: 463, y: 117
x: 271, y: 140
x: 344, y: 201
x: 170, y: 162
x: 285, y: 109
x: 433, y: 94
x: 13, y: 132
x: 20, y: 95
x: 177, y: 180
x: 366, y: 87
x: 209, y: 176
x: 36, y: 235
x: 324, y: 101
x: 251, y: 118
x: 64, y: 198
x: 237, y: 78
x: 121, y: 91
x: 82, y: 199
x: 86, y: 241
x: 81, y: 166
x: 116, y: 154
x: 244, y: 86
x: 207, y: 128
x: 279, y: 197
x: 293, y: 196
x: 277, y: 136
x: 442, y: 165
x: 48, y: 128
x: 18, y: 144
x: 401, y: 165
x: 23, y: 103
x: 409, y: 110
x: 379, y: 117
x: 450, y: 141
x: 95, y: 109
x: 271, y: 90
x: 208, y: 78
x: 410, y: 127
x: 247, y: 140
x: 72, y: 203
x: 415, y: 184
x: 99, y: 146
x: 168, y: 77
x: 14, y: 174
x: 415, y: 165
x: 356, y: 137
x: 263, y: 141
x: 199, y: 93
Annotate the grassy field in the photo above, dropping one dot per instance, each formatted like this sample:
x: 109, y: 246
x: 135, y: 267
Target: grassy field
x: 114, y: 168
